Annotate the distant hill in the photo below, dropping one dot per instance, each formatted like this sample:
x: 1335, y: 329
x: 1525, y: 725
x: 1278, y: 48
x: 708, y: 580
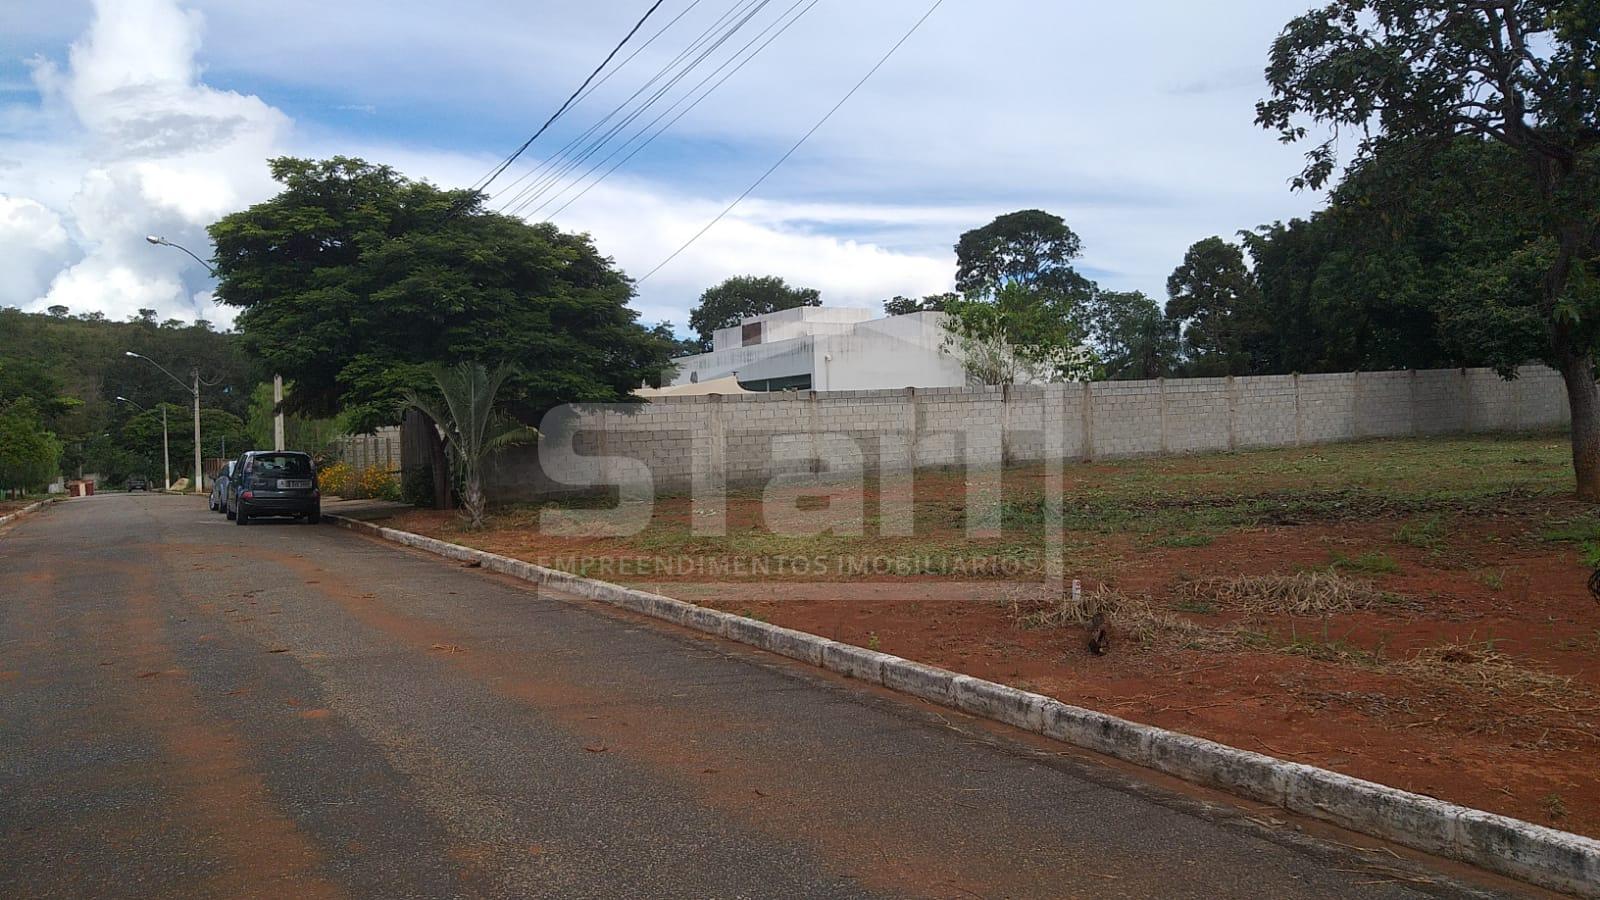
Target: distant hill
x: 74, y: 367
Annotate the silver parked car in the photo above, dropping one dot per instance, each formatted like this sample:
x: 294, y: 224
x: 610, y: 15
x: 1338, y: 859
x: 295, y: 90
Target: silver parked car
x: 219, y: 488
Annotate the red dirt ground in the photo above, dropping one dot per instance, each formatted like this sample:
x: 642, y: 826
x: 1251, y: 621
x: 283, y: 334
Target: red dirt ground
x: 1341, y: 692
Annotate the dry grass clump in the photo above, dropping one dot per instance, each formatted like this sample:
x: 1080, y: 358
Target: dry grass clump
x: 1480, y: 668
x: 1031, y: 607
x: 1311, y: 592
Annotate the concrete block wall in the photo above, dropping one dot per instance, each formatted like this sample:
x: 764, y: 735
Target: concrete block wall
x: 753, y: 438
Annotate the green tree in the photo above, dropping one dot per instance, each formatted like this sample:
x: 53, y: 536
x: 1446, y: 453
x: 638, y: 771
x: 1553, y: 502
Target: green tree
x: 463, y: 405
x: 1214, y: 297
x: 904, y: 306
x: 1029, y: 246
x: 1519, y: 72
x: 1134, y: 337
x: 220, y: 431
x: 1389, y: 274
x: 1009, y: 337
x: 30, y: 456
x: 726, y: 304
x: 354, y: 279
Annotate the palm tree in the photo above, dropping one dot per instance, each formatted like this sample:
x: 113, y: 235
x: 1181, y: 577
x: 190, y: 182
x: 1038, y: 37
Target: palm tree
x: 473, y: 430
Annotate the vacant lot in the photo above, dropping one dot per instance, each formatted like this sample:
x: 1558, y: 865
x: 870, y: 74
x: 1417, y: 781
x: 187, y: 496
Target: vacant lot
x: 1413, y: 612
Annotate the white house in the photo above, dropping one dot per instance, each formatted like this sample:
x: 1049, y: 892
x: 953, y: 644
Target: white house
x: 822, y: 348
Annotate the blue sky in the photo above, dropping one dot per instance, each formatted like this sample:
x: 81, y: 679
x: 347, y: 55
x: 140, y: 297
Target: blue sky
x: 1132, y: 121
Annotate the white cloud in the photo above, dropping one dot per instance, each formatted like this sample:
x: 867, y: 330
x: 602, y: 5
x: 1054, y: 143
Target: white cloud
x: 155, y: 151
x: 1132, y: 121
x: 35, y: 246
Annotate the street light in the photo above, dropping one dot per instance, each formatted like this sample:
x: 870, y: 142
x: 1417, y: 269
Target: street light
x: 166, y: 460
x: 199, y: 487
x: 277, y: 380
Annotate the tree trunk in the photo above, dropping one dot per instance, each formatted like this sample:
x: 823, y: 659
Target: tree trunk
x: 1583, y: 397
x: 472, y: 501
x: 439, y: 461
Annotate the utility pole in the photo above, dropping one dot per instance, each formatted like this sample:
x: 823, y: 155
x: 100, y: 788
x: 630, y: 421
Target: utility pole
x: 166, y: 457
x: 277, y: 413
x: 199, y: 482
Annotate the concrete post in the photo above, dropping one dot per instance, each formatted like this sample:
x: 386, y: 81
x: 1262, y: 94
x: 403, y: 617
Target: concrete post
x: 1161, y: 394
x: 1233, y: 414
x: 1299, y: 415
x: 1355, y: 405
x: 1088, y: 421
x: 1416, y: 425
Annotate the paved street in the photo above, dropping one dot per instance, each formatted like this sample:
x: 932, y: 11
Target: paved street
x: 192, y: 708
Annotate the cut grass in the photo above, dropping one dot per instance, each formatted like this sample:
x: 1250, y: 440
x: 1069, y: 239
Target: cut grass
x: 1373, y: 562
x: 1311, y: 592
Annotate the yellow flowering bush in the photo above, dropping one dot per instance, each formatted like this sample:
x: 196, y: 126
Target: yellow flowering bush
x: 342, y: 480
x: 331, y: 478
x: 376, y: 481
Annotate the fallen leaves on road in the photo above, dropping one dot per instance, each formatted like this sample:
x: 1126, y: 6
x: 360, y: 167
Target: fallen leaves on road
x: 596, y: 748
x: 449, y: 648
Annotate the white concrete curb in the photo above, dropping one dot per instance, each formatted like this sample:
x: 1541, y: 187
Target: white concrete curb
x: 1543, y: 856
x: 35, y: 506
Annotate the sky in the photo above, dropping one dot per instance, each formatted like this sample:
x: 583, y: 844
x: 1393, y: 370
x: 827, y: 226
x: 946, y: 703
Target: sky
x: 1133, y: 121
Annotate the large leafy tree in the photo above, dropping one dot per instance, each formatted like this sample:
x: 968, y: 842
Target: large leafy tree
x: 354, y: 279
x: 1390, y: 275
x: 743, y: 296
x: 1029, y: 246
x: 1135, y: 339
x: 1214, y: 296
x: 1518, y: 72
x: 1022, y: 312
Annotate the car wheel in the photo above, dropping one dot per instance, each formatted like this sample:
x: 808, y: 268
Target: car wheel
x: 226, y: 511
x: 239, y: 518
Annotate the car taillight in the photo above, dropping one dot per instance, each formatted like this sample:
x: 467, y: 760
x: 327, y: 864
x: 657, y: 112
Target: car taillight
x: 247, y: 495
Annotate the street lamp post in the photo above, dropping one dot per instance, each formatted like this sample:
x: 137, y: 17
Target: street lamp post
x: 277, y: 380
x: 199, y: 487
x: 166, y: 459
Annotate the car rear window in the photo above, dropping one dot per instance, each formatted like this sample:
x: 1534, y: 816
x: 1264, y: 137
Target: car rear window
x: 281, y: 464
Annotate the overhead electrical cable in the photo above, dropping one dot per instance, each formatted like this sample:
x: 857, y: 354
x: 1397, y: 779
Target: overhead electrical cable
x: 808, y: 5
x: 553, y: 177
x: 797, y: 144
x: 483, y: 184
x: 556, y: 157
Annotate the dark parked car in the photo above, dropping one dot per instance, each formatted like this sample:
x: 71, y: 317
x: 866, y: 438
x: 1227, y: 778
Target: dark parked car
x: 137, y: 483
x: 274, y: 483
x: 219, y: 488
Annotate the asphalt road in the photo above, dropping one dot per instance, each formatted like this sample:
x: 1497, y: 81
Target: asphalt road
x: 192, y: 708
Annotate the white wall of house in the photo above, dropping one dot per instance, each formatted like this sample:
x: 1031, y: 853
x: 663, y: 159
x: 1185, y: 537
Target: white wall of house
x: 883, y: 354
x: 840, y: 349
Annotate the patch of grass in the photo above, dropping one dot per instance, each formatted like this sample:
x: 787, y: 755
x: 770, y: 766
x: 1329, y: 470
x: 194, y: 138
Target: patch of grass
x: 1197, y: 607
x: 1374, y: 562
x: 1310, y: 592
x: 1480, y: 667
x: 872, y: 640
x: 1493, y: 579
x: 1183, y: 540
x: 1424, y: 532
x: 1575, y: 531
x: 1554, y: 807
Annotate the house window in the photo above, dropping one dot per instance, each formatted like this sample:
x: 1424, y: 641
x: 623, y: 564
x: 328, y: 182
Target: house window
x: 752, y: 334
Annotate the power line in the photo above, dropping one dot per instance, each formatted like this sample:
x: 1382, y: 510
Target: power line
x: 489, y: 179
x: 560, y: 154
x: 552, y: 178
x: 820, y: 122
x: 685, y: 111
